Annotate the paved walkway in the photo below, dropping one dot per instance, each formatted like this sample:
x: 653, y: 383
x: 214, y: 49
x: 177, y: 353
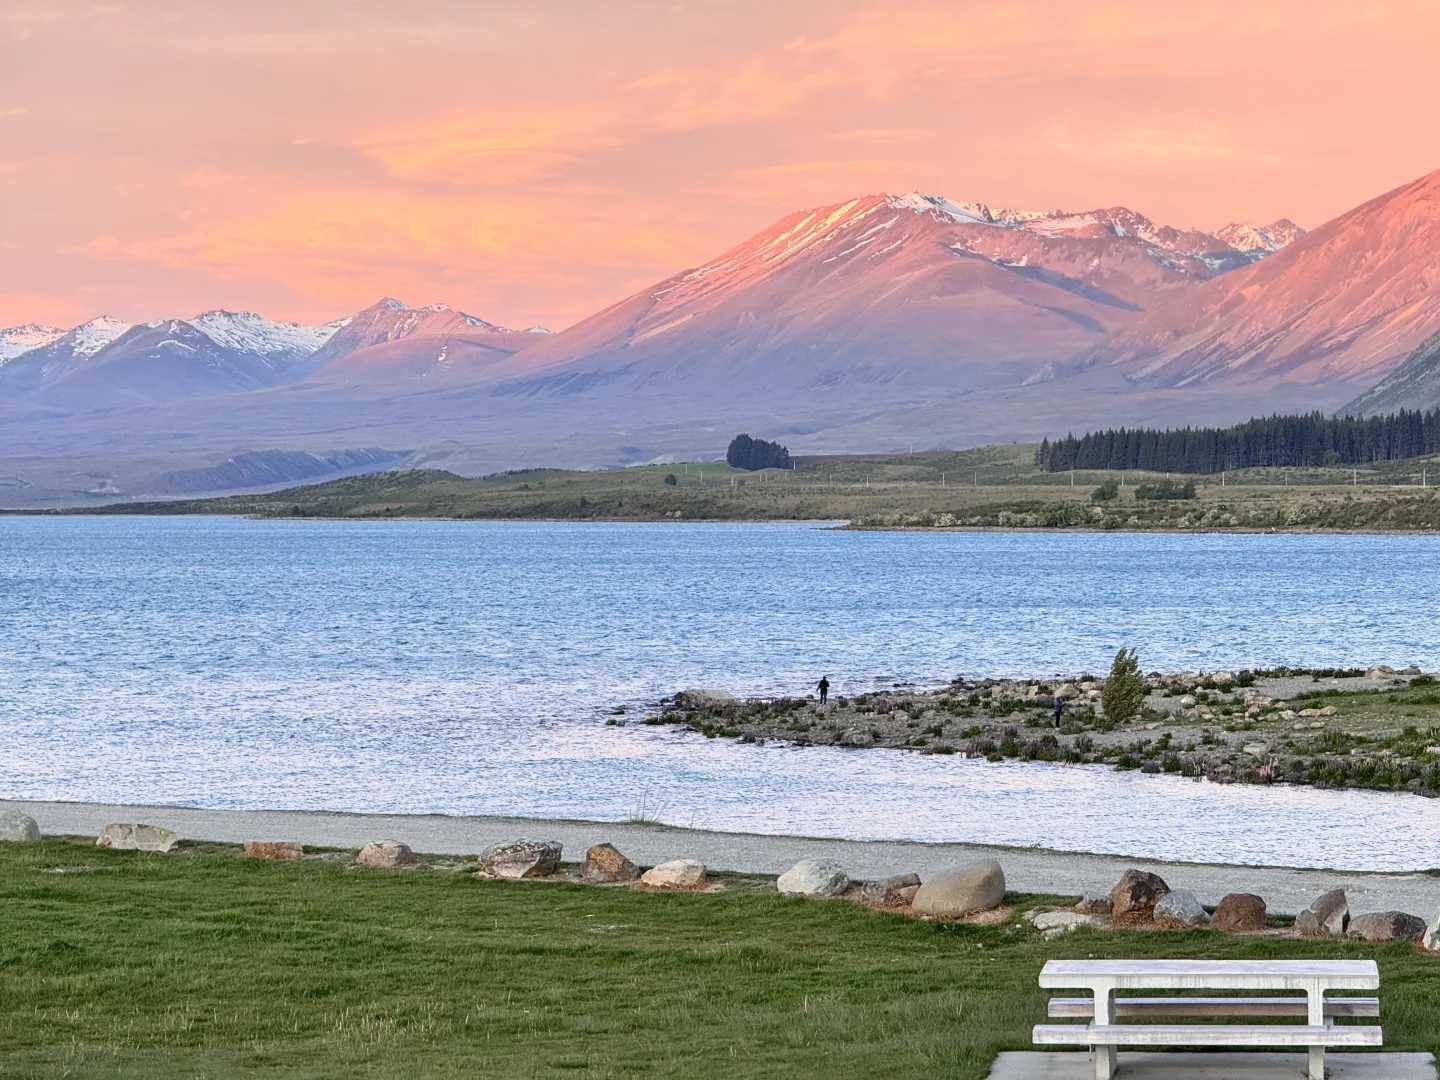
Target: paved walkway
x: 1026, y: 869
x: 1025, y: 1065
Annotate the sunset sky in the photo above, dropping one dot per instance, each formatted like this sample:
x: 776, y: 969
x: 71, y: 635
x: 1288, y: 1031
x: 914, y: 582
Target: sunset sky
x: 531, y: 162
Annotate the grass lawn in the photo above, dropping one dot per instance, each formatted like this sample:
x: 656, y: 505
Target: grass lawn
x: 201, y: 964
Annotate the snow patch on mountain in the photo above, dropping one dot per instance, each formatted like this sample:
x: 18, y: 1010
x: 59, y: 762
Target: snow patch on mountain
x: 244, y: 331
x: 18, y: 340
x: 90, y: 337
x: 1260, y: 240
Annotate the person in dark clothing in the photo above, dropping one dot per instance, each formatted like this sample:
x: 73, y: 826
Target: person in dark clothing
x: 1059, y: 708
x: 824, y: 687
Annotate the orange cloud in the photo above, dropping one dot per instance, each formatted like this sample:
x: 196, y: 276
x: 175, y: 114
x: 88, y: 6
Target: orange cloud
x: 498, y: 148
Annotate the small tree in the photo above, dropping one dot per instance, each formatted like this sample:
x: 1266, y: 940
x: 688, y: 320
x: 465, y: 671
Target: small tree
x: 1106, y: 491
x: 753, y: 454
x: 670, y: 479
x: 1124, y: 691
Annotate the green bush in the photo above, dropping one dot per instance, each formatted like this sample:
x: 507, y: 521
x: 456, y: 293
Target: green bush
x: 1107, y: 491
x: 1061, y: 515
x: 670, y: 479
x: 1124, y: 690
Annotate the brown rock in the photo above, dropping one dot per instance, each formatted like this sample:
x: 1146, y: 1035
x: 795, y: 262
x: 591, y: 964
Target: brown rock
x: 1134, y: 897
x: 676, y: 874
x: 1239, y: 913
x: 387, y: 855
x: 281, y: 850
x: 604, y: 865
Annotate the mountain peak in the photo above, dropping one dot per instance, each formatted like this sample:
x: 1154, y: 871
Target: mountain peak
x: 18, y: 340
x: 1260, y: 240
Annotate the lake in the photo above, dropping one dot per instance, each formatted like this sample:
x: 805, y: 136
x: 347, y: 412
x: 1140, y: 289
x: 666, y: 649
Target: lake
x: 466, y: 667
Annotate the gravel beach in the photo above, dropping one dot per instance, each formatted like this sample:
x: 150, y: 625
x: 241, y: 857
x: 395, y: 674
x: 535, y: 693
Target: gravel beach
x: 1035, y: 870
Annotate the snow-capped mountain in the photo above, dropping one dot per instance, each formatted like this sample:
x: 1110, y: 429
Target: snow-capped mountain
x: 33, y: 368
x: 1260, y: 240
x: 244, y: 331
x: 909, y: 290
x: 16, y: 340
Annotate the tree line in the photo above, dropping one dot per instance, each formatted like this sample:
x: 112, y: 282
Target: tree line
x: 1307, y: 440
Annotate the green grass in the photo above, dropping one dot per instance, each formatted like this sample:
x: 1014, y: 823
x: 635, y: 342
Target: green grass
x: 206, y: 965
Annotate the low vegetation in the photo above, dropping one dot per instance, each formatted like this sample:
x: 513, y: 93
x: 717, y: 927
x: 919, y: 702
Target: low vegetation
x: 131, y: 966
x: 992, y: 487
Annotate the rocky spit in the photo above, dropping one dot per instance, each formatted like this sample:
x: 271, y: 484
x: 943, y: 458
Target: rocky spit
x: 1228, y: 727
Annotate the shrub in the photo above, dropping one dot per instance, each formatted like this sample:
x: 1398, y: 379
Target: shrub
x: 670, y: 479
x: 1124, y: 690
x: 1166, y: 489
x: 1060, y: 515
x: 1107, y: 491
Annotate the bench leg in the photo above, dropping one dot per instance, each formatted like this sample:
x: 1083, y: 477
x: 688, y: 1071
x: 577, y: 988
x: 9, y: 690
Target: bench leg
x: 1315, y: 1008
x: 1104, y: 1054
x: 1317, y: 1063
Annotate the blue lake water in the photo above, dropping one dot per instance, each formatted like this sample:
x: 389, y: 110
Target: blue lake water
x: 465, y: 667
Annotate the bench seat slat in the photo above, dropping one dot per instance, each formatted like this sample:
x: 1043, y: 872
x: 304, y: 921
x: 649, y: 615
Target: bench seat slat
x: 1223, y: 1006
x: 1204, y: 1035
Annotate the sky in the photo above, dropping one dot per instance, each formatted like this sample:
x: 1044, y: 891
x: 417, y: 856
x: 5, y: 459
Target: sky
x: 533, y: 162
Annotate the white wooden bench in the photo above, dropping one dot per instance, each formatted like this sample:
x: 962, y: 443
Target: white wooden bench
x: 1314, y: 977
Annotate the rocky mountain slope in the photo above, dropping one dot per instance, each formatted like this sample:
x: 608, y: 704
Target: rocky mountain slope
x: 1340, y: 306
x: 913, y: 290
x: 18, y: 340
x: 1415, y: 384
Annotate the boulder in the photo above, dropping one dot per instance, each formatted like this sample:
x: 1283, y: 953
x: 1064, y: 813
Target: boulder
x: 1180, y: 909
x: 1135, y: 895
x: 1239, y: 913
x: 1328, y: 916
x: 858, y: 737
x: 604, y: 865
x: 521, y: 859
x: 976, y: 887
x: 1090, y: 904
x: 675, y: 874
x: 136, y: 838
x: 1385, y: 926
x: 813, y: 877
x: 18, y: 827
x: 279, y: 850
x: 899, y: 889
x: 387, y: 855
x: 1431, y: 939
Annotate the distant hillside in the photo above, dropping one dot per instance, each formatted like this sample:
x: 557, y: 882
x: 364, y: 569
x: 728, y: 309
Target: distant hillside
x: 1415, y: 384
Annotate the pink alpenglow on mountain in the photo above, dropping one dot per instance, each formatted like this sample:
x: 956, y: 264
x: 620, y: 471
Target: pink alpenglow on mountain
x: 1343, y: 304
x: 882, y: 289
x: 1261, y: 240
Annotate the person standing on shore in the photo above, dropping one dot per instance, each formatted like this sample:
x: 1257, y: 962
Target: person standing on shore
x: 824, y: 687
x: 1059, y: 708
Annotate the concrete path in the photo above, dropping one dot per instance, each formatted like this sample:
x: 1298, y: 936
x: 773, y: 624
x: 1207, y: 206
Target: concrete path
x: 1025, y: 1065
x: 1026, y: 869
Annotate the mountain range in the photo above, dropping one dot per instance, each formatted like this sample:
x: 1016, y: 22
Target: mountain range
x: 878, y: 323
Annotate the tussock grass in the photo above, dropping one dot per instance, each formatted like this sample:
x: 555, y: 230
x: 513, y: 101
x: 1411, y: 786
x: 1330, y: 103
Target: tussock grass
x: 202, y: 964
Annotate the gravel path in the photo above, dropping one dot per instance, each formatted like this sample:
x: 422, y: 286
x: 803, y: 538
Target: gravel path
x: 1286, y: 891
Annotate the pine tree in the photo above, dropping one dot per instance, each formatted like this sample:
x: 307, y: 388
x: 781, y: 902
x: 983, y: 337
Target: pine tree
x: 1124, y: 692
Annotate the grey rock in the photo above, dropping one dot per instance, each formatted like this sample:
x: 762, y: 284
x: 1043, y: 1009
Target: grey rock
x: 521, y: 859
x: 976, y: 887
x: 1328, y: 916
x: 18, y: 827
x: 1431, y: 940
x: 1054, y: 923
x: 1180, y: 909
x: 1135, y: 895
x: 858, y: 737
x: 813, y: 877
x: 899, y: 889
x: 136, y: 838
x: 1385, y: 926
x: 703, y: 696
x: 387, y: 855
x: 675, y: 874
x: 1091, y: 904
